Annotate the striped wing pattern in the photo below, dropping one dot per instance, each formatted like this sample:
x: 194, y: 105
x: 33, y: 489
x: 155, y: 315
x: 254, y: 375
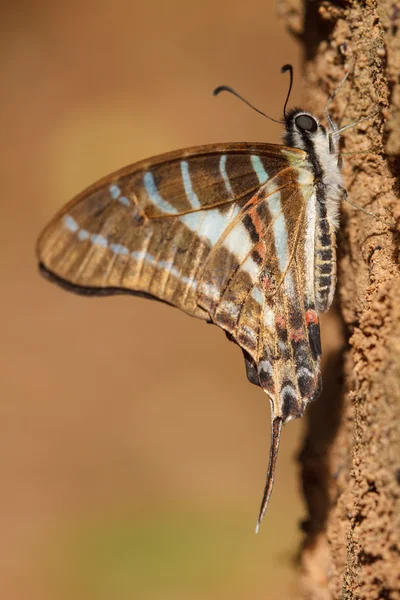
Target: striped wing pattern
x: 225, y: 233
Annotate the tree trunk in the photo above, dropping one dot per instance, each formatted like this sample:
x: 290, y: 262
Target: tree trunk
x: 351, y: 455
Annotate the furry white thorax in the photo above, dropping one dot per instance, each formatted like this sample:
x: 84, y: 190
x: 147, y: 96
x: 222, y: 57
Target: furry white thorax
x: 317, y: 146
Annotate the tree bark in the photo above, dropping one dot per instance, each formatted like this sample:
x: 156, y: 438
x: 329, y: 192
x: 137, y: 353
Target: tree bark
x: 350, y: 460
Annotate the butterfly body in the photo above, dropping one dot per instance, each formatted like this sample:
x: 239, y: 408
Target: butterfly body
x: 242, y: 235
x: 323, y: 156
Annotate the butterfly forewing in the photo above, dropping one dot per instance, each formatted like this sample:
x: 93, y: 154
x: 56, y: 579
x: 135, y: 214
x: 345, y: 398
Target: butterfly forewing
x: 127, y: 230
x: 217, y: 231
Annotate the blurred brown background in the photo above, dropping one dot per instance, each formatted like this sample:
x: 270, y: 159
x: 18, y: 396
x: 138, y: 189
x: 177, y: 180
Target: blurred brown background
x: 133, y: 449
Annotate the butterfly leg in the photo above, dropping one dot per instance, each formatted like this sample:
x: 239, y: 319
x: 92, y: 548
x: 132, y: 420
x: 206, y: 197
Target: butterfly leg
x: 364, y: 210
x: 331, y: 122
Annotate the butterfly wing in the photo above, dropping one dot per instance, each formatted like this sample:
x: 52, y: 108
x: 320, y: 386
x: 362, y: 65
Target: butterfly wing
x: 217, y: 231
x: 226, y: 233
x: 149, y: 228
x: 258, y: 285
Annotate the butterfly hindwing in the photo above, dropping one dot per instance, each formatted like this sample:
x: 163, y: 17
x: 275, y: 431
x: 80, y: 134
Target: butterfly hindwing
x: 257, y: 284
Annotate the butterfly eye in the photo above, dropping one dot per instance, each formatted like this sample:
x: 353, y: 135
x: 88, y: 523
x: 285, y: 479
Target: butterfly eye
x: 306, y: 123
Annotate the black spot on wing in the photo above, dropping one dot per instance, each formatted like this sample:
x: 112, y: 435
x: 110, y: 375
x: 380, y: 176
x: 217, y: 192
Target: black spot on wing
x: 265, y: 372
x: 314, y: 339
x: 282, y: 348
x: 304, y: 368
x: 305, y: 384
x: 248, y: 223
x: 292, y: 405
x: 226, y: 320
x: 256, y: 256
x: 263, y: 212
x: 247, y: 339
x: 251, y: 369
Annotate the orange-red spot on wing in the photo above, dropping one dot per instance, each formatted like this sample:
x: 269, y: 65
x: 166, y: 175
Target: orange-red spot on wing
x: 296, y: 335
x: 311, y: 317
x: 267, y: 283
x: 259, y: 225
x: 252, y: 202
x: 261, y: 249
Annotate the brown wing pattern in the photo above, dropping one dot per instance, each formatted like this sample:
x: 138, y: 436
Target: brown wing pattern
x: 256, y: 286
x: 219, y: 232
x: 149, y: 227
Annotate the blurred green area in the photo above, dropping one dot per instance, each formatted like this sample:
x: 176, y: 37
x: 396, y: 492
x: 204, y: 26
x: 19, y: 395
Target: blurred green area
x: 172, y: 555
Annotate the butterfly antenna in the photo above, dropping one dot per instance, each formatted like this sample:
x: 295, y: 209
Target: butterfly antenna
x: 226, y: 88
x: 273, y: 454
x: 283, y: 70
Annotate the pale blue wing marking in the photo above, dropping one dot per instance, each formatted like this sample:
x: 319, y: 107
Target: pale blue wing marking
x: 83, y: 235
x: 211, y: 224
x: 259, y: 168
x: 142, y: 255
x: 99, y: 240
x: 257, y: 295
x: 71, y: 224
x: 124, y: 200
x: 116, y: 195
x: 119, y: 249
x: 280, y: 237
x: 192, y: 220
x: 114, y: 191
x: 190, y: 193
x: 155, y: 197
x: 222, y: 168
x: 280, y: 232
x: 162, y: 264
x: 168, y: 266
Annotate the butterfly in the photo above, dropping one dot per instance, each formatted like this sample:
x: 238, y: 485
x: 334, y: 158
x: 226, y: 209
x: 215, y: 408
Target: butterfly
x: 242, y: 235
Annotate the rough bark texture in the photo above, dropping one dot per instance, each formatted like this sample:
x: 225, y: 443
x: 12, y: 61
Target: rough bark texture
x: 351, y: 455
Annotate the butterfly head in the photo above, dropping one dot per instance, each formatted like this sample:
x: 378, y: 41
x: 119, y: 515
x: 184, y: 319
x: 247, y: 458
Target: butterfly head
x: 303, y: 130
